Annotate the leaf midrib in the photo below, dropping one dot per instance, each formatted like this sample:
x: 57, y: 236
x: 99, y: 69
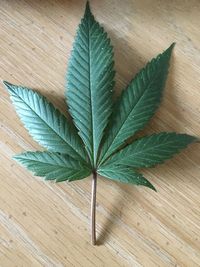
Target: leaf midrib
x: 44, y: 162
x: 149, y: 149
x: 90, y: 90
x: 53, y: 165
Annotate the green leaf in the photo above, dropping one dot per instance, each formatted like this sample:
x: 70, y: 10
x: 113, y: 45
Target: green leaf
x: 137, y: 103
x: 90, y: 82
x: 45, y: 123
x: 53, y: 166
x: 124, y: 174
x: 151, y: 150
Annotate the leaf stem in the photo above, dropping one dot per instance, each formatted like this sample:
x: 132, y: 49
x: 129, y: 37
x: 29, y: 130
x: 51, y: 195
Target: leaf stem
x: 93, y: 208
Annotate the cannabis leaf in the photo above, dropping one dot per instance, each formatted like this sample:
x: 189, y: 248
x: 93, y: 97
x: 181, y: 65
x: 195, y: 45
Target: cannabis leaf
x: 45, y: 123
x: 90, y: 83
x: 151, y: 150
x: 124, y: 174
x: 95, y: 143
x: 138, y: 103
x: 51, y: 165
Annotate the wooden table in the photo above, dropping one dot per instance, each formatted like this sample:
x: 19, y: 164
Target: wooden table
x: 47, y: 224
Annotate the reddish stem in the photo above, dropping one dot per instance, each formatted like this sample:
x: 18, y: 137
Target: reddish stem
x: 93, y: 208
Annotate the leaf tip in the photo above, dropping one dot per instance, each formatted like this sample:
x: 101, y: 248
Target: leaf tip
x: 153, y: 188
x: 149, y: 185
x: 7, y: 84
x: 172, y: 45
x: 170, y: 49
x: 87, y: 8
x: 15, y: 157
x: 190, y: 139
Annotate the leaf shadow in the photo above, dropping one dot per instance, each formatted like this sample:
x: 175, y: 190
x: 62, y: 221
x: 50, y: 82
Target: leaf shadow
x: 113, y: 216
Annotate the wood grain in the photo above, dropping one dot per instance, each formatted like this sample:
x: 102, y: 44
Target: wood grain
x: 47, y: 224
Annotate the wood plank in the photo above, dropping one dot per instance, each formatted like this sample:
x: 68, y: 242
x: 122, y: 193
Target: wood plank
x: 47, y: 224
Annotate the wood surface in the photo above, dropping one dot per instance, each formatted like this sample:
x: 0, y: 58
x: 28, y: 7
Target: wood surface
x: 47, y: 224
